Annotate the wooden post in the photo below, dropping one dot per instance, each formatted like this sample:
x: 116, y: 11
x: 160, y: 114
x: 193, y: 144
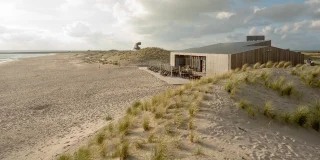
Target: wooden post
x: 171, y: 70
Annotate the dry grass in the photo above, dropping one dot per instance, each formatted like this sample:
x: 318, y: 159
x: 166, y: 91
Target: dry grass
x: 65, y: 157
x: 108, y: 118
x: 192, y: 136
x: 300, y: 116
x: 268, y: 110
x: 159, y: 152
x: 124, y: 125
x: 198, y: 151
x: 146, y: 123
x: 244, y: 67
x: 82, y: 154
x: 173, y: 115
x: 257, y: 65
x: 269, y: 64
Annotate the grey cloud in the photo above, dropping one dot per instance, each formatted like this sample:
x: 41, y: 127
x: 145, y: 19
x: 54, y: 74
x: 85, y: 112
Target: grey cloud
x: 283, y: 13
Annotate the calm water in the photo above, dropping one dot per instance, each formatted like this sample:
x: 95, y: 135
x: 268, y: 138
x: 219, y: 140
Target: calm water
x: 11, y: 57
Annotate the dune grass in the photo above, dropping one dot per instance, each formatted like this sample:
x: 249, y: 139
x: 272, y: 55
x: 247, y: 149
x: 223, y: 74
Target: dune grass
x: 268, y: 110
x: 124, y: 125
x: 300, y: 116
x: 146, y: 123
x: 82, y: 154
x: 108, y: 118
x: 65, y: 157
x: 257, y: 65
x: 269, y: 64
x: 198, y: 151
x: 175, y: 112
x: 159, y: 152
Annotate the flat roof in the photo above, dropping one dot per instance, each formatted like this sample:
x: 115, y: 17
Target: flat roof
x: 225, y: 48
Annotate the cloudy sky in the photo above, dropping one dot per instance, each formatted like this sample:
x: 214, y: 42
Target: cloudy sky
x: 170, y: 24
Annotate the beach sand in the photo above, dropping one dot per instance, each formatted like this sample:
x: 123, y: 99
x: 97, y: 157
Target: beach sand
x: 48, y: 104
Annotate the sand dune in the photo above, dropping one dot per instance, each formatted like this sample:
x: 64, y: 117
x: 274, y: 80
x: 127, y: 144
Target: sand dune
x: 49, y: 103
x: 202, y: 120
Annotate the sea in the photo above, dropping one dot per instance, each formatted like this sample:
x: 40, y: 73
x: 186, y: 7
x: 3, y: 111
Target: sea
x: 7, y: 56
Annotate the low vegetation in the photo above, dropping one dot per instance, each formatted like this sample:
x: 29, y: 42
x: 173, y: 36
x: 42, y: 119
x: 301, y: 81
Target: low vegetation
x: 115, y: 57
x: 157, y: 127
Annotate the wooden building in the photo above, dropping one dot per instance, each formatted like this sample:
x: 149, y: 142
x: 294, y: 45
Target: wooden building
x: 222, y: 57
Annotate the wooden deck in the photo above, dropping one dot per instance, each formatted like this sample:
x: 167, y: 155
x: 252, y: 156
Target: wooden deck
x: 169, y: 80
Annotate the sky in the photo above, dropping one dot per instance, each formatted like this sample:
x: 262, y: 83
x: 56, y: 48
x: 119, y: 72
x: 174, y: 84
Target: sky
x: 168, y: 24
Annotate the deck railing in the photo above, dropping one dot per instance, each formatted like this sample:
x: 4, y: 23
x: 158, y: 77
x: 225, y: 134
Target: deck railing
x: 172, y: 71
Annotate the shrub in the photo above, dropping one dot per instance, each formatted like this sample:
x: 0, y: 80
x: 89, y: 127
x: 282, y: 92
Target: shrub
x: 257, y: 65
x: 268, y: 110
x: 300, y: 116
x: 146, y: 123
x: 269, y: 64
x: 263, y: 66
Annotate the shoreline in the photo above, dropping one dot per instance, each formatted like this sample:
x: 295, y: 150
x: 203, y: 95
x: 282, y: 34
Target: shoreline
x: 50, y: 103
x: 18, y: 59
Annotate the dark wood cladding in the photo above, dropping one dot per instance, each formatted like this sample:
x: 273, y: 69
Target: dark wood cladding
x: 263, y: 55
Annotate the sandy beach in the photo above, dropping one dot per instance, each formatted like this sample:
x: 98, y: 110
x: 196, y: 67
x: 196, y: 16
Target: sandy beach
x: 49, y: 103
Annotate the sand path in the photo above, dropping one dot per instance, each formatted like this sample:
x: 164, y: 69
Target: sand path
x: 47, y: 104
